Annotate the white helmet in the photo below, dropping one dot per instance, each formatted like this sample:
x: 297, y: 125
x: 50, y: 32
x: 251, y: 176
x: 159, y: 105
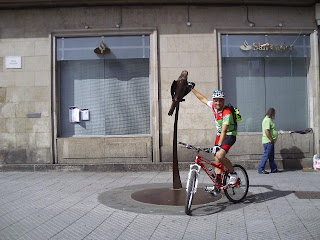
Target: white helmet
x: 218, y: 94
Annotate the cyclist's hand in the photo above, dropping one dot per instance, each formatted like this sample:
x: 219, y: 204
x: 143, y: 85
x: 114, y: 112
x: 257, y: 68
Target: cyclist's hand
x: 215, y: 149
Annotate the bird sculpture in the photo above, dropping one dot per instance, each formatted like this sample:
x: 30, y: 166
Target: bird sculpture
x: 179, y: 89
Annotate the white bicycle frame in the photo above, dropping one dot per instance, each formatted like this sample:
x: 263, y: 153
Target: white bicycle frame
x: 197, y: 168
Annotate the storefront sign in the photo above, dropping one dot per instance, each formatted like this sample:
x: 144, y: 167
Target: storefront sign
x: 266, y: 47
x: 102, y: 49
x: 273, y: 46
x: 245, y: 46
x: 269, y: 47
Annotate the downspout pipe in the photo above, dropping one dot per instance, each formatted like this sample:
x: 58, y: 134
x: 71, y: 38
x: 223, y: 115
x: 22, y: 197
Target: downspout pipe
x: 317, y: 18
x: 318, y: 143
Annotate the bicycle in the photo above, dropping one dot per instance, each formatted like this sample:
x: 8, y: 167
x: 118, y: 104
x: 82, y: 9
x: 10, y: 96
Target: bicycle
x: 235, y: 193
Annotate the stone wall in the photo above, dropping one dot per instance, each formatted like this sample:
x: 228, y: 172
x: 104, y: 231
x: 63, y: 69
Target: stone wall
x: 25, y: 91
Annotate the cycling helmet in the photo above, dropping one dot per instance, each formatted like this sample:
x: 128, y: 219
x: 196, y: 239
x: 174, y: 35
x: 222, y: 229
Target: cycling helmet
x: 218, y: 94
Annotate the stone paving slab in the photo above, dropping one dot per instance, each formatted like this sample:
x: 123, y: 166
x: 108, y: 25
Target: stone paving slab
x: 68, y: 205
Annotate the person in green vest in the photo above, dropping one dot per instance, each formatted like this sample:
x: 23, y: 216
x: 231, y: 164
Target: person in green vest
x: 269, y: 138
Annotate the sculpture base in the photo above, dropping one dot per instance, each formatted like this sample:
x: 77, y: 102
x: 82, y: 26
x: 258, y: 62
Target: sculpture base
x: 173, y: 197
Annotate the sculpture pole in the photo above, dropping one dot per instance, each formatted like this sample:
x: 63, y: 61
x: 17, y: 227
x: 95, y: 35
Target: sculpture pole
x: 176, y: 176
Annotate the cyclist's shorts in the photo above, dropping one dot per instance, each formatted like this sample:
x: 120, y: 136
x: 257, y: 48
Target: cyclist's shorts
x: 227, y: 143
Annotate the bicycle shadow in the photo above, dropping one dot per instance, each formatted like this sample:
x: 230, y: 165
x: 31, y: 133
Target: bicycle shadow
x: 225, y: 205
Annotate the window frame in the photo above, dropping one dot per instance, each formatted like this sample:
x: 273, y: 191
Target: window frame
x: 260, y: 31
x: 153, y: 80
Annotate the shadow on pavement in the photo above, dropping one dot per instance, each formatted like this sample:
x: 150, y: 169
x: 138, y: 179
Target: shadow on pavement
x: 120, y: 198
x: 226, y: 205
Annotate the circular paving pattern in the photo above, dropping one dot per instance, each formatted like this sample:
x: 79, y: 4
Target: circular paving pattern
x: 172, y: 197
x: 158, y: 199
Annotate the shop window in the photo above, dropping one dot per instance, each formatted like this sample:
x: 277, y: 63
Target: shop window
x: 274, y: 75
x: 113, y: 86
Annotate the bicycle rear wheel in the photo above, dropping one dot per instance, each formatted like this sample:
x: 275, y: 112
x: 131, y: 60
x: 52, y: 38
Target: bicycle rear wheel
x: 239, y: 192
x: 190, y: 191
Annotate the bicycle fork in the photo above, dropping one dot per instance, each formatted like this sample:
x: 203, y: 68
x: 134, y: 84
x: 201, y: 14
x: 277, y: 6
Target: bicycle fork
x: 197, y: 168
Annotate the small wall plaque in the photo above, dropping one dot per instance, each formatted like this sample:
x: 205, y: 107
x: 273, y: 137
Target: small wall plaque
x: 34, y: 115
x: 13, y: 62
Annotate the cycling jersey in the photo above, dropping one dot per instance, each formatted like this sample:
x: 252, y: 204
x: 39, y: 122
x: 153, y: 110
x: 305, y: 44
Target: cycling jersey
x: 223, y: 118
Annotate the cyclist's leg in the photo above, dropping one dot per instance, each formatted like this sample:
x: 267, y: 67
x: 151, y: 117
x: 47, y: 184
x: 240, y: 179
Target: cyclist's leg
x: 227, y: 163
x: 221, y: 157
x: 226, y: 145
x: 221, y: 154
x: 216, y: 160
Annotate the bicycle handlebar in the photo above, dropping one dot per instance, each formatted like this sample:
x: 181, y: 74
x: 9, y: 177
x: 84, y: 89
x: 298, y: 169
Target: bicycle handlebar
x: 198, y: 149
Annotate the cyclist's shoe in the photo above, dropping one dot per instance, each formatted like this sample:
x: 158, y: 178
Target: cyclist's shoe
x: 212, y: 190
x: 233, y: 178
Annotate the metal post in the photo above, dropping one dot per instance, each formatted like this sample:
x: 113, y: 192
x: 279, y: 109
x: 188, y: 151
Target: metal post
x: 176, y: 176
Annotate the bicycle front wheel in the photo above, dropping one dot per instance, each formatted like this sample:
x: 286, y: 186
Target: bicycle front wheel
x: 190, y: 191
x: 239, y: 191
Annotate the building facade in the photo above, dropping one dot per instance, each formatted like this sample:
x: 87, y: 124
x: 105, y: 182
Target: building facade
x: 91, y: 84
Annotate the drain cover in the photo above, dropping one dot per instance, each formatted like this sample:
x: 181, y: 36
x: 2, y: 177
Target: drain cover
x: 307, y: 194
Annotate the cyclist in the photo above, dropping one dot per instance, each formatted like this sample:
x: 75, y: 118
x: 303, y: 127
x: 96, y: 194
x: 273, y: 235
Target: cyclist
x: 226, y: 132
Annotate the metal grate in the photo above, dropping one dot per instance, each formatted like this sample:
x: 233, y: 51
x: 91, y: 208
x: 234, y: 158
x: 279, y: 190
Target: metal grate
x: 307, y: 194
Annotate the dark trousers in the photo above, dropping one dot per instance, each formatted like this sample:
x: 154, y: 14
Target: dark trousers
x: 268, y: 154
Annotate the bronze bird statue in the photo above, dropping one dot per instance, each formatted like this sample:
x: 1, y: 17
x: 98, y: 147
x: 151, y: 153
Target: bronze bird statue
x: 179, y: 89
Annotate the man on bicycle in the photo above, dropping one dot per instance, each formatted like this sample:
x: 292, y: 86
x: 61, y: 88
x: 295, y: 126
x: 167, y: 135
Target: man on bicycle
x: 226, y: 132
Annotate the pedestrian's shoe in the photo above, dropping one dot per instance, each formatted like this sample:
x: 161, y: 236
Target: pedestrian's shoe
x: 263, y: 172
x: 233, y: 178
x: 276, y: 171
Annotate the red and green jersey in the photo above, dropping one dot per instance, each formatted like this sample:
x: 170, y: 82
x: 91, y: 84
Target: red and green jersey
x: 223, y: 117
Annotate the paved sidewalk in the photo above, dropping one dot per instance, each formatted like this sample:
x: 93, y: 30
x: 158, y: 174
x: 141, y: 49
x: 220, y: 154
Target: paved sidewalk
x: 88, y: 205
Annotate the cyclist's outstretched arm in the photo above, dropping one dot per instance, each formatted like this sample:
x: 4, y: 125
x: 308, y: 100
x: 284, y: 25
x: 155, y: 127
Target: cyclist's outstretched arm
x: 200, y: 96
